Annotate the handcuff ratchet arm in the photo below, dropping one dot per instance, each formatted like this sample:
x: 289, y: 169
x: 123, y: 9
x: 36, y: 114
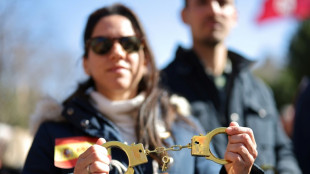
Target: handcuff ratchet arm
x: 200, y: 145
x: 135, y: 153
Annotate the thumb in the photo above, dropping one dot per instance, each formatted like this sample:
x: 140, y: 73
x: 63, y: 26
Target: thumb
x: 100, y: 141
x: 234, y: 124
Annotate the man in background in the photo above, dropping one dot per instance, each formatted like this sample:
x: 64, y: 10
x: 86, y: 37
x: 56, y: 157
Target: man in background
x: 220, y: 87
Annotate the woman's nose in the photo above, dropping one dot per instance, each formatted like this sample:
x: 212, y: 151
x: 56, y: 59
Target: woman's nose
x: 117, y: 51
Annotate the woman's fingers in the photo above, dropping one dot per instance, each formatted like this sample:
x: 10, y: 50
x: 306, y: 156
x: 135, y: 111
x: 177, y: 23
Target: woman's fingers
x: 245, y: 140
x: 95, y: 159
x: 238, y: 164
x: 239, y: 153
x: 236, y: 130
x: 99, y: 167
x: 100, y: 141
x: 99, y: 153
x: 241, y: 149
x: 233, y: 124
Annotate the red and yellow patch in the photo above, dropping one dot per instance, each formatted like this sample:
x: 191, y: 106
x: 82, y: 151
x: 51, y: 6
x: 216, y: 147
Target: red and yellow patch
x: 67, y: 150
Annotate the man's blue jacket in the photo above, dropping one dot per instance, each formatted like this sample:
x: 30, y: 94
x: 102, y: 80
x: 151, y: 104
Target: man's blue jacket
x: 244, y: 99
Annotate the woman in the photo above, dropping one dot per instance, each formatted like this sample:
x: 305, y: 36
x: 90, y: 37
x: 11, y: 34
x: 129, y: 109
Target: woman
x: 122, y: 102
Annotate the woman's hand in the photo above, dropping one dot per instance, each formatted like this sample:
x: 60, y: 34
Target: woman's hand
x: 94, y: 160
x: 241, y: 149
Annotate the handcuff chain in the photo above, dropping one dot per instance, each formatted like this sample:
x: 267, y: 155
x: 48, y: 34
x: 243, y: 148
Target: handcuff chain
x: 163, y: 149
x: 178, y: 147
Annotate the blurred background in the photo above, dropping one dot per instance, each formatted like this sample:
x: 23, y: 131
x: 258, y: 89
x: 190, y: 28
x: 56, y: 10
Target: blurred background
x: 41, y: 52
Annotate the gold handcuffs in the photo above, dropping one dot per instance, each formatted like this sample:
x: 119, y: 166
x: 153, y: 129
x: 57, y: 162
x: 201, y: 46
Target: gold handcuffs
x: 200, y: 146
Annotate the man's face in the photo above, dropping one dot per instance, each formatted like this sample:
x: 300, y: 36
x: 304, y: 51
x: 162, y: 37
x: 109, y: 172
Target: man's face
x: 210, y: 20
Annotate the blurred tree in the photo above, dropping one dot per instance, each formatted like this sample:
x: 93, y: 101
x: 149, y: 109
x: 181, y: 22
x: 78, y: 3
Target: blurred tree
x: 30, y: 63
x: 279, y: 79
x: 284, y: 88
x: 16, y: 97
x: 299, y: 52
x: 284, y: 81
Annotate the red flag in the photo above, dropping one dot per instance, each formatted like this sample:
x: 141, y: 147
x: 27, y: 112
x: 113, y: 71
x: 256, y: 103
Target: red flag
x: 277, y: 8
x: 302, y: 10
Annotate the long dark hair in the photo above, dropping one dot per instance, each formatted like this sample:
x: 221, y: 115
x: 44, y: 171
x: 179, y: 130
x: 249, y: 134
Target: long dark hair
x: 156, y: 99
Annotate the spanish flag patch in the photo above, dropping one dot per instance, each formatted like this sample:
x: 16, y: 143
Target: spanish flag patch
x: 67, y: 150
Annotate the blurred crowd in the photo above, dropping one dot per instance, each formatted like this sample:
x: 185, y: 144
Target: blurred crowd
x: 14, y: 146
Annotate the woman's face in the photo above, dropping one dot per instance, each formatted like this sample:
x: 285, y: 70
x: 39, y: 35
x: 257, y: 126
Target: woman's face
x: 116, y: 73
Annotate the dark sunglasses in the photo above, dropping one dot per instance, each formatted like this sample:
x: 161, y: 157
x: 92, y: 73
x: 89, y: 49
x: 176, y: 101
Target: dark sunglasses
x: 102, y: 45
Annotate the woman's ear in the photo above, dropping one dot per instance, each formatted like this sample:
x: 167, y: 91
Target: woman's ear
x: 184, y: 15
x: 85, y: 66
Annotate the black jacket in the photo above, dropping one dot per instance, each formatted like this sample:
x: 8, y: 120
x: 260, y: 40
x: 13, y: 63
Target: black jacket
x: 247, y: 100
x: 301, y: 138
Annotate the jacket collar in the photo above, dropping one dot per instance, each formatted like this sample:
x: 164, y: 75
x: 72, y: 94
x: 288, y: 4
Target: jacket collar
x: 80, y: 112
x: 189, y: 61
x: 47, y: 109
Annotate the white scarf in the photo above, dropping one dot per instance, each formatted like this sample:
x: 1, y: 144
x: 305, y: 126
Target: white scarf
x: 122, y: 113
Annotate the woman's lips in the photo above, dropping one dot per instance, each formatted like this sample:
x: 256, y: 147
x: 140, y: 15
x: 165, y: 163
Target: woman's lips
x: 117, y: 69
